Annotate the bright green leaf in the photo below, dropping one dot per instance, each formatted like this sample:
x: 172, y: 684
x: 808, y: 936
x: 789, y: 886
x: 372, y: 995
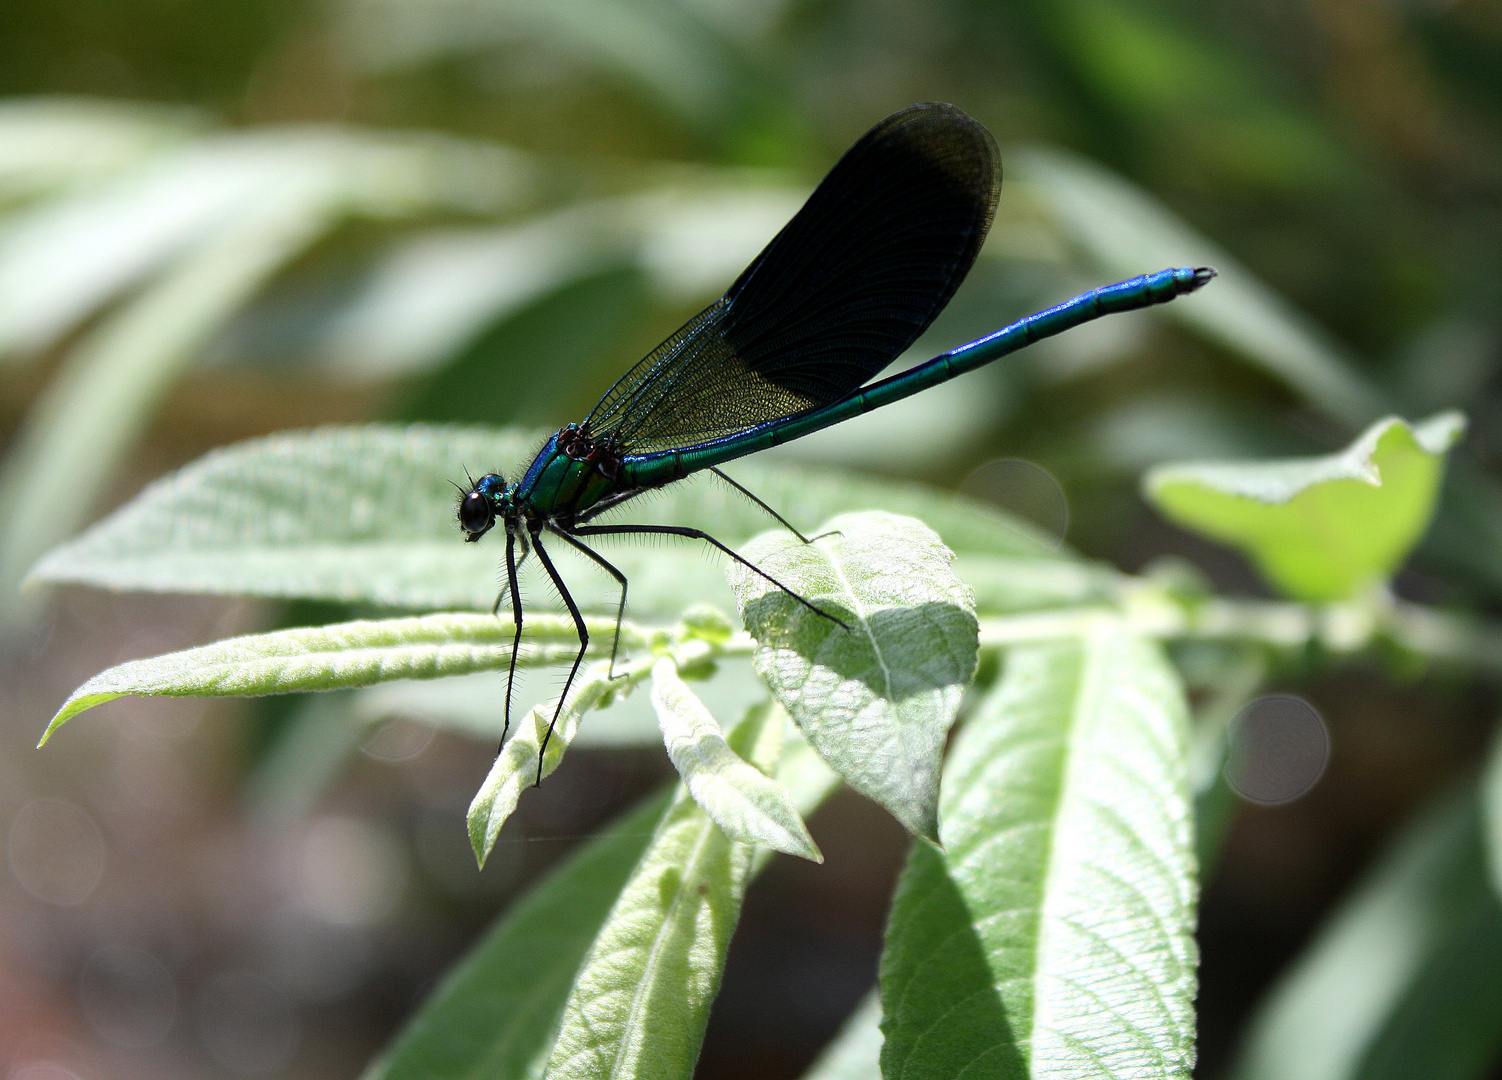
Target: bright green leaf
x: 876, y: 697
x: 495, y: 1013
x: 1402, y: 980
x: 330, y: 657
x: 641, y: 999
x: 366, y: 514
x: 749, y: 805
x: 1052, y: 936
x: 1319, y: 528
x: 545, y: 732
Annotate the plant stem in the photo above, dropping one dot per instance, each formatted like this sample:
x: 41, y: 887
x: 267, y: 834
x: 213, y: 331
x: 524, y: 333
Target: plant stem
x: 1345, y: 627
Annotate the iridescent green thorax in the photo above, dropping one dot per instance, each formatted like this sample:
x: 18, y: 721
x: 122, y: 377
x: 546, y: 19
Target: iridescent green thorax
x: 570, y: 475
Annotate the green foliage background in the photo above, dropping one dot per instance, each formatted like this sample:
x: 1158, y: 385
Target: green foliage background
x: 218, y: 221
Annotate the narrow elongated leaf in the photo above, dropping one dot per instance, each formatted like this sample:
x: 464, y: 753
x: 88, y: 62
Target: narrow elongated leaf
x: 65, y: 258
x: 53, y: 142
x: 1402, y: 980
x: 1319, y: 528
x: 105, y: 392
x: 641, y: 999
x: 545, y: 733
x: 330, y: 657
x: 366, y: 514
x: 876, y: 696
x: 495, y: 1013
x: 1052, y: 936
x: 742, y: 800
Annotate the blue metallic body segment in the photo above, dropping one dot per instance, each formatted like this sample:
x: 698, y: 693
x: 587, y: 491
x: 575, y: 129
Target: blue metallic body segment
x: 651, y: 470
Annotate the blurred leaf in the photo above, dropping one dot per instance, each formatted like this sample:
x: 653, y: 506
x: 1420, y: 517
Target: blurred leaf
x: 105, y: 392
x: 530, y: 365
x: 641, y: 999
x: 1402, y: 979
x: 1319, y: 528
x: 367, y: 515
x: 223, y: 216
x: 303, y: 759
x: 877, y: 699
x: 494, y: 1015
x: 62, y: 259
x: 56, y: 142
x: 433, y: 293
x: 1215, y: 803
x: 1187, y: 93
x: 1491, y: 812
x: 702, y: 84
x: 855, y: 1053
x: 330, y: 657
x: 1126, y: 232
x: 1052, y: 935
x: 748, y: 805
x: 436, y: 293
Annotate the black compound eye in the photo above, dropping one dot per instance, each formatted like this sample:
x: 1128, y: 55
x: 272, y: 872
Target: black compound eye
x: 475, y: 515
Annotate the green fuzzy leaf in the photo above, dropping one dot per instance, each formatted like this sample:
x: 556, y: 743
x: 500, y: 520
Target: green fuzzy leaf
x: 875, y: 699
x: 1052, y: 936
x: 742, y: 800
x: 366, y: 515
x: 1320, y: 528
x: 1401, y: 981
x: 545, y: 732
x: 641, y: 999
x: 331, y: 657
x: 495, y: 1013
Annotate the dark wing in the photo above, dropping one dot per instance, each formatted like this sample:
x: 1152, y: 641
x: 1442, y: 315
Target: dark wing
x: 847, y: 285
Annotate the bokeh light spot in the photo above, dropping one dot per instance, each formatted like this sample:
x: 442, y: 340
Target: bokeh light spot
x: 353, y: 872
x: 55, y: 851
x: 128, y: 997
x: 1025, y: 491
x: 1279, y: 747
x: 398, y: 739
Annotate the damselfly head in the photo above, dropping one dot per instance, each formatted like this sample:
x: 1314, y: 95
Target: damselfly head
x: 481, y: 504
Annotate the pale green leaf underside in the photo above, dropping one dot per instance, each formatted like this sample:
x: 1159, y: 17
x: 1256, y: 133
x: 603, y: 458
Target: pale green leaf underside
x: 855, y: 1053
x: 1052, y: 936
x: 747, y: 804
x: 331, y: 657
x: 544, y: 733
x: 1401, y: 980
x: 1319, y: 528
x: 876, y: 699
x: 641, y: 1000
x: 366, y: 515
